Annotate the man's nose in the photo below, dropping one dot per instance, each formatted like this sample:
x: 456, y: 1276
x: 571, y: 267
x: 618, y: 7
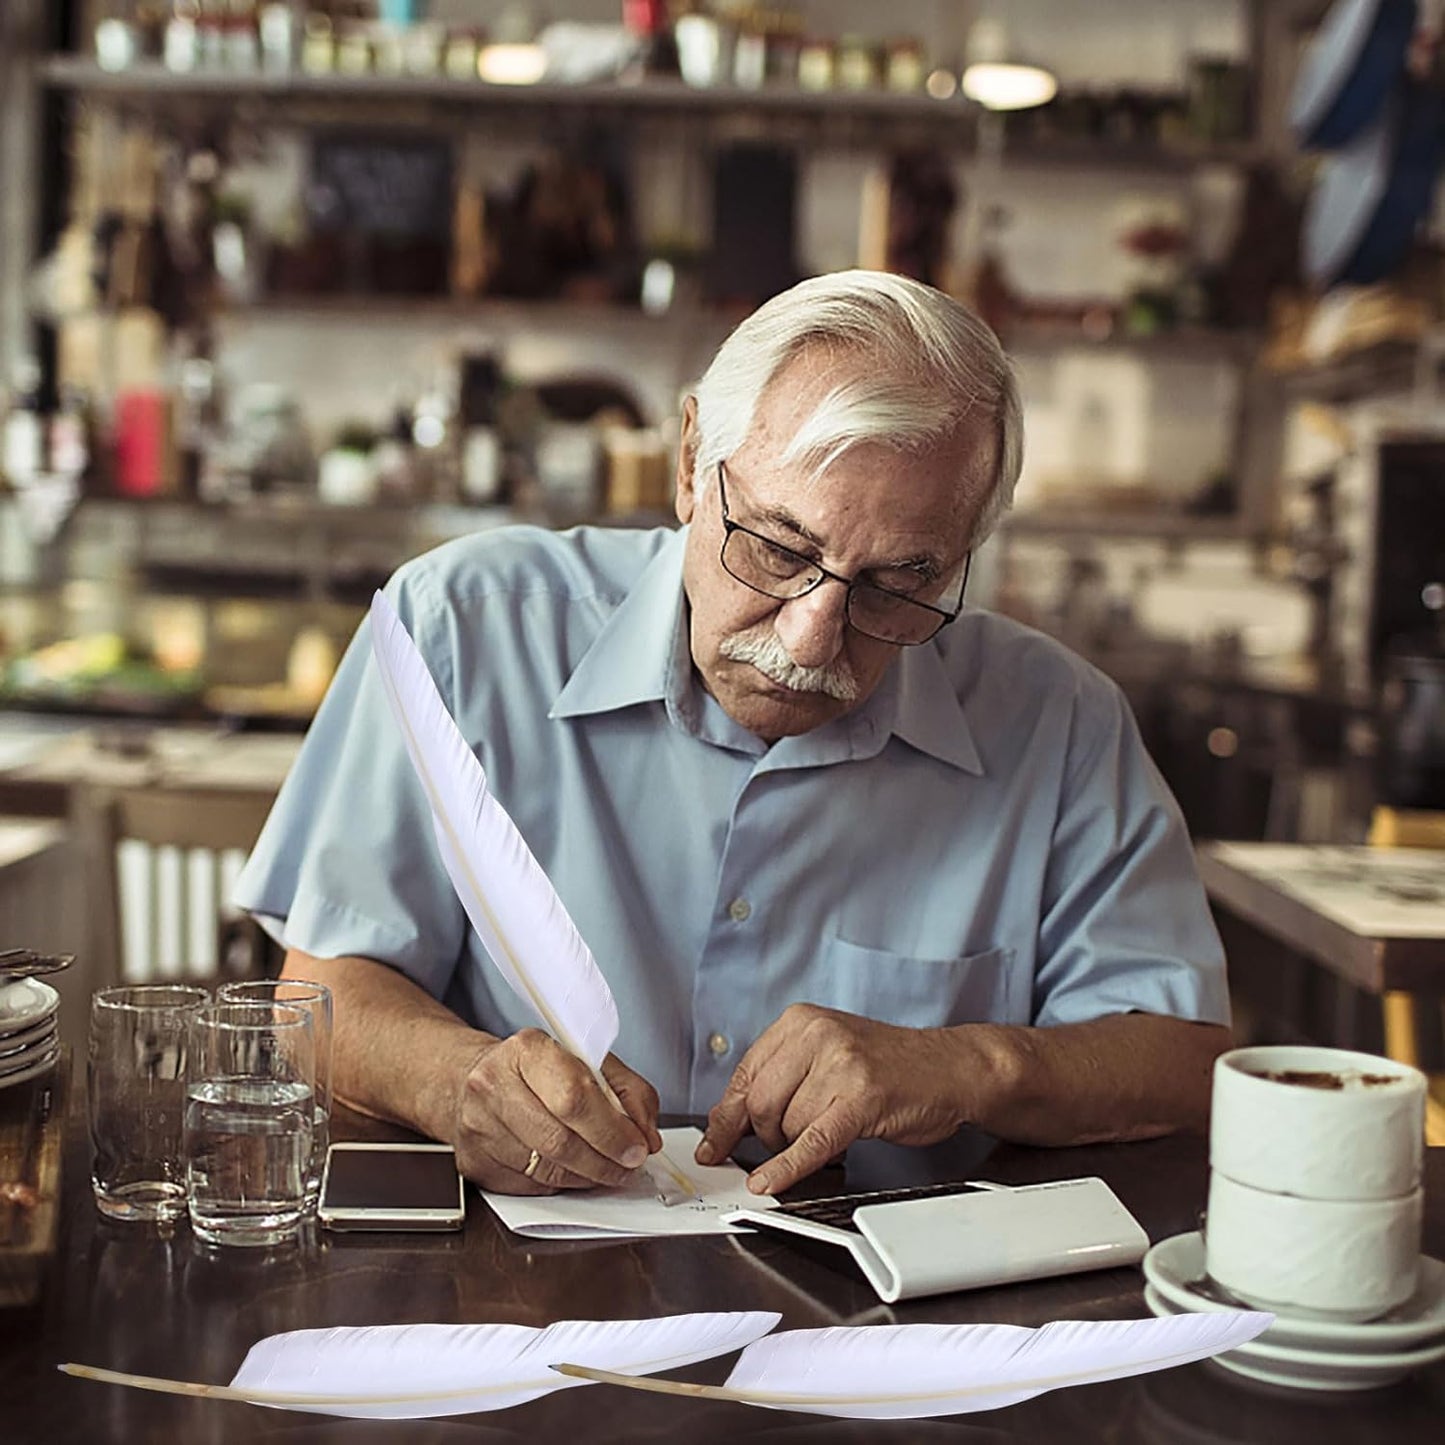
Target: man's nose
x: 811, y: 627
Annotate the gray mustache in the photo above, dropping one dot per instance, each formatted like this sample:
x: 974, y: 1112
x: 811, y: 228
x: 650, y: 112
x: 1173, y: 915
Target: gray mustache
x: 764, y: 652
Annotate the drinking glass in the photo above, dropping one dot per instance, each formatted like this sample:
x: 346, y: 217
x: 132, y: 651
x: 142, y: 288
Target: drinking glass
x: 249, y: 1119
x: 137, y: 1065
x: 315, y: 998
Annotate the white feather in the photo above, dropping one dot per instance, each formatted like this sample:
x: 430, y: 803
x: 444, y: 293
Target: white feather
x: 890, y: 1372
x: 509, y: 899
x: 480, y: 1367
x: 412, y: 1372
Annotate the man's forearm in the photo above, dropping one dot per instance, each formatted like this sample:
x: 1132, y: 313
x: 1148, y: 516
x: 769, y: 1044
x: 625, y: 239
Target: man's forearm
x: 1129, y: 1076
x: 399, y: 1054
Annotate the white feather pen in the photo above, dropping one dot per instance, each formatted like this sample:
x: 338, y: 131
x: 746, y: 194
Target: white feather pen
x: 407, y: 1372
x: 897, y: 1372
x: 511, y: 902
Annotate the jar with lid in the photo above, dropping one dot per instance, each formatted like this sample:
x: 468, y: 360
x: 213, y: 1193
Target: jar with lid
x: 905, y: 65
x: 815, y: 64
x: 857, y: 63
x: 318, y: 44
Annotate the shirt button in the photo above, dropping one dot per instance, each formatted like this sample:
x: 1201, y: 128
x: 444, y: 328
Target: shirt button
x: 719, y: 1044
x: 740, y: 910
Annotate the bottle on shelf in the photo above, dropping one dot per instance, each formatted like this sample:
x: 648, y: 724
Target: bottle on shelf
x: 211, y: 35
x: 482, y: 473
x: 278, y: 27
x: 394, y: 460
x: 651, y: 23
x: 72, y: 442
x: 242, y: 51
x: 22, y: 454
x: 181, y: 49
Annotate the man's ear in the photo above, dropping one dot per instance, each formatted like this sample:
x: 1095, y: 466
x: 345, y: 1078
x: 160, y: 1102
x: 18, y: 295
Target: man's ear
x: 687, y: 442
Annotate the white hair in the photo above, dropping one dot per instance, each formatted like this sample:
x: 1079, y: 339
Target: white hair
x: 914, y: 364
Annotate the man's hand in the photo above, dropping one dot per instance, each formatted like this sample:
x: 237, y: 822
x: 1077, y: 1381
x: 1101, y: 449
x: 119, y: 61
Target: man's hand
x: 526, y: 1092
x: 818, y: 1079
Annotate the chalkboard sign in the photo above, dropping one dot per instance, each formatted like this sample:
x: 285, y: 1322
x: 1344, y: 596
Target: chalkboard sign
x: 382, y: 186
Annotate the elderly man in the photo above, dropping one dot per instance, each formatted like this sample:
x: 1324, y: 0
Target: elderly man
x: 856, y: 862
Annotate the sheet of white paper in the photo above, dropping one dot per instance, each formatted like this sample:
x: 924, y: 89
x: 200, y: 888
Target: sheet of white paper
x: 636, y: 1208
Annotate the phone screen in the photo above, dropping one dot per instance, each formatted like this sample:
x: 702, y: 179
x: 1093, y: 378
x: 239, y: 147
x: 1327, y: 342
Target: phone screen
x: 390, y: 1181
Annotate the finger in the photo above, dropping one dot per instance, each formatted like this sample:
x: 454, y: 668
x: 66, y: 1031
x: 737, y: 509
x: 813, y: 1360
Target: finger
x: 727, y: 1122
x: 826, y: 1137
x: 498, y: 1161
x: 731, y: 1118
x: 544, y: 1179
x: 574, y: 1124
x: 636, y: 1096
x: 502, y: 1118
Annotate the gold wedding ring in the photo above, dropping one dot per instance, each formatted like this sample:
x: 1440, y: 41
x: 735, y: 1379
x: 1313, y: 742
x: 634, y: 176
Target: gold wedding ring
x: 532, y: 1164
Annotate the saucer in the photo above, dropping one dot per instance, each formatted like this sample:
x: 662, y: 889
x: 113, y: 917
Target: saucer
x: 1311, y: 1369
x: 19, y: 1058
x: 23, y: 1039
x: 24, y: 1003
x: 33, y: 1070
x: 1175, y: 1269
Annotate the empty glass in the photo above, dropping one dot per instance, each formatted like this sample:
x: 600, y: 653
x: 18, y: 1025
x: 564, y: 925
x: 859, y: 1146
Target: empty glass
x: 249, y: 1119
x: 315, y: 998
x: 136, y: 1072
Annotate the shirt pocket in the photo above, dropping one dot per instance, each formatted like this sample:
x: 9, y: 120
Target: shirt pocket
x: 920, y: 992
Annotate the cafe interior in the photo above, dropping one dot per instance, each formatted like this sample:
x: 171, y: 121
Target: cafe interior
x: 291, y: 293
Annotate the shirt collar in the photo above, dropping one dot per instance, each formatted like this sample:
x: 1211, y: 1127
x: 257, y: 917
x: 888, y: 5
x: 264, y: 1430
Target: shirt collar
x: 634, y: 656
x: 929, y: 715
x: 641, y: 655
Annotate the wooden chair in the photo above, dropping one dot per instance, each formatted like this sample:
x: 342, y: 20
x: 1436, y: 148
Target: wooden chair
x: 1404, y: 828
x: 204, y: 827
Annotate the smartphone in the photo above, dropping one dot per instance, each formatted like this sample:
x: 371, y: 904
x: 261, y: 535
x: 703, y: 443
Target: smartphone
x: 391, y: 1186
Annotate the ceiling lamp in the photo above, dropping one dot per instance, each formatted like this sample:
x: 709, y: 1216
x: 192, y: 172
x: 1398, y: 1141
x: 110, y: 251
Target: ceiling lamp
x: 998, y: 80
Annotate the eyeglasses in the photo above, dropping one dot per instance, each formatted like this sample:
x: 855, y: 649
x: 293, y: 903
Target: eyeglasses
x: 777, y: 571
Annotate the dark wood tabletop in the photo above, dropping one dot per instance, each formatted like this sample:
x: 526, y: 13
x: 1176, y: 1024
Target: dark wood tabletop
x: 137, y: 1298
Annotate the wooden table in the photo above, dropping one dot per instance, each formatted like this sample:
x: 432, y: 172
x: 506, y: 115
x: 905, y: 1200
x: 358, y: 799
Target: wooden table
x: 1373, y: 916
x: 131, y: 1298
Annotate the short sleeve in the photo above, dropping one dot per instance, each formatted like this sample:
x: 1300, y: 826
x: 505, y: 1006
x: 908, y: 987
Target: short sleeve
x: 1125, y: 924
x: 347, y: 863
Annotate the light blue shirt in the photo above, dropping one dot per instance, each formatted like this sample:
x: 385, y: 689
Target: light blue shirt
x: 984, y: 838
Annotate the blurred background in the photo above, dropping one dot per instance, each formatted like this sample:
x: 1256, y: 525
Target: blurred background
x: 290, y: 292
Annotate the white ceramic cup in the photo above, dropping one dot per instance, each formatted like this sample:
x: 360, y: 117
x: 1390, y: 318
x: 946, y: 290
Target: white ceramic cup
x: 1339, y: 1259
x: 1362, y: 1141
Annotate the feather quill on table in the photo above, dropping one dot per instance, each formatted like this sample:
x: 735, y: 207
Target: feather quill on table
x: 407, y: 1372
x: 896, y: 1372
x: 508, y: 897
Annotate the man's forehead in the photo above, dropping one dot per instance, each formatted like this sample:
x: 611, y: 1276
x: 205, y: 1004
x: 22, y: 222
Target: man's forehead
x: 870, y: 510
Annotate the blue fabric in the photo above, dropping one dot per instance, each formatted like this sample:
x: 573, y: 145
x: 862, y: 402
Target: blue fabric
x: 984, y: 839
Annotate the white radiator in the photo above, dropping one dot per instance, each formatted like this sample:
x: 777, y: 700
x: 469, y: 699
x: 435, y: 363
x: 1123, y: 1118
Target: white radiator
x: 172, y: 906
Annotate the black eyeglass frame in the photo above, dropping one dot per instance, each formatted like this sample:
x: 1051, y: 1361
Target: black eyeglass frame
x: 824, y: 575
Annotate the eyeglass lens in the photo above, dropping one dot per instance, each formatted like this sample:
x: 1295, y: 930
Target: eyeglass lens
x: 777, y: 572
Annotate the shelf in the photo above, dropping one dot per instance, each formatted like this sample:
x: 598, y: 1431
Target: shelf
x: 1163, y: 526
x: 877, y: 117
x: 1380, y: 370
x: 1179, y: 344
x: 1186, y: 343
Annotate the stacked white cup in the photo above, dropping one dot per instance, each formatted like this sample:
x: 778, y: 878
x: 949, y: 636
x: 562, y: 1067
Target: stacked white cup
x: 1315, y: 1202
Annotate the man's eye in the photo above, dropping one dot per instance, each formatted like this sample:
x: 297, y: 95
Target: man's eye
x: 778, y: 560
x: 903, y: 584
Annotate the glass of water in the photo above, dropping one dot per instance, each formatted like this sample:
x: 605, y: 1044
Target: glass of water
x: 250, y: 1116
x: 315, y: 998
x: 137, y: 1066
